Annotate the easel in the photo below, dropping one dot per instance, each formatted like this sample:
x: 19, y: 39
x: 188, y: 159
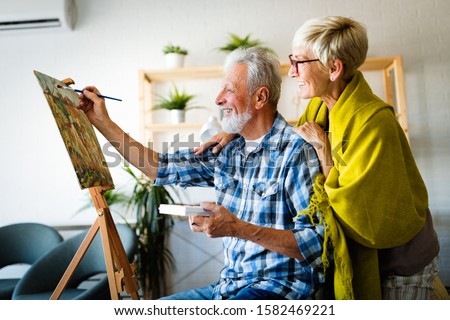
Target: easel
x: 121, y: 274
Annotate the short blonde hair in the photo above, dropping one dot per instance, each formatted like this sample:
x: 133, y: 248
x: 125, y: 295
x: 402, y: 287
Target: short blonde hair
x: 334, y: 37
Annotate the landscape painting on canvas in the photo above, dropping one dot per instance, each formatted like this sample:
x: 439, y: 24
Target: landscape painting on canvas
x: 77, y: 133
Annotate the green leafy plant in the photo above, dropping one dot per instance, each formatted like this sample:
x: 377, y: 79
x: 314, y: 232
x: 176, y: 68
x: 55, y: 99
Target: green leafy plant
x: 176, y: 100
x: 235, y: 41
x: 170, y: 48
x: 152, y: 229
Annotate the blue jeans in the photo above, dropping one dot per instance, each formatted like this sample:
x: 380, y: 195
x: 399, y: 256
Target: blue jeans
x: 205, y: 293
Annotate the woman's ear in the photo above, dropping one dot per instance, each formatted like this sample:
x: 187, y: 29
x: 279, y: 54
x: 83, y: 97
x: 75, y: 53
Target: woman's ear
x: 336, y: 70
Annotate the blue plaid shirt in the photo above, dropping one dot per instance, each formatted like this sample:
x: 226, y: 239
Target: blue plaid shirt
x: 268, y: 188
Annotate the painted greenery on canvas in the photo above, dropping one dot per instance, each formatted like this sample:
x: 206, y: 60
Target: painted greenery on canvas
x: 77, y: 133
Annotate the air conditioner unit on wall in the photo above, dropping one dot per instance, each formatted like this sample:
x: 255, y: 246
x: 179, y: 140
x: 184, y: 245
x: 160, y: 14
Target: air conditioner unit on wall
x: 33, y: 14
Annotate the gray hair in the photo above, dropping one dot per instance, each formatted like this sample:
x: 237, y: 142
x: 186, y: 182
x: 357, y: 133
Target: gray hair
x: 263, y: 70
x: 334, y: 37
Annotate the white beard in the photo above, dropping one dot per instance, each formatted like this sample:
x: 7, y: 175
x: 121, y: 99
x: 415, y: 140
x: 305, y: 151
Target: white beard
x: 235, y: 123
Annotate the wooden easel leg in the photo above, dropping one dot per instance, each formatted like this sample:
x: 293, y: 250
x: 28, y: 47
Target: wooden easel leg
x: 114, y: 253
x: 126, y: 274
x: 75, y: 261
x: 109, y: 261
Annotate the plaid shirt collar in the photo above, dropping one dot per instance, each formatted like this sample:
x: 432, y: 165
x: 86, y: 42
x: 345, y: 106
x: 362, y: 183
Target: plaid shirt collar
x: 270, y: 139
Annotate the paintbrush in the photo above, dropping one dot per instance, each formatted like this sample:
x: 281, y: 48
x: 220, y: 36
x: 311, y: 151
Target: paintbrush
x: 81, y: 91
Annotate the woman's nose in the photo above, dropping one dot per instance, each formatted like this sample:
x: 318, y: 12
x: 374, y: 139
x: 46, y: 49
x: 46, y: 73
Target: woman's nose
x: 292, y: 73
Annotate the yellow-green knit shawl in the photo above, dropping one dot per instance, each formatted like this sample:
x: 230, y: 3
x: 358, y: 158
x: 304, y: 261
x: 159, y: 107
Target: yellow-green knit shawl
x: 375, y: 190
x: 334, y: 235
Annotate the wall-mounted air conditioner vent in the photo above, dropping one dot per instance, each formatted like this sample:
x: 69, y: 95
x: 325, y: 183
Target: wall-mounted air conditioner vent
x: 30, y: 24
x: 31, y: 14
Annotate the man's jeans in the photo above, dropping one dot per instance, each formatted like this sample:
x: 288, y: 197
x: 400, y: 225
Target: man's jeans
x: 205, y: 293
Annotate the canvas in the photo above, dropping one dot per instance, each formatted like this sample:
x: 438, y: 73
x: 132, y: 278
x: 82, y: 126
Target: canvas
x: 77, y: 133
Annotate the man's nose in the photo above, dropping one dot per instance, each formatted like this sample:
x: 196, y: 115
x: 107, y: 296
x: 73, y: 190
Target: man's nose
x: 219, y: 99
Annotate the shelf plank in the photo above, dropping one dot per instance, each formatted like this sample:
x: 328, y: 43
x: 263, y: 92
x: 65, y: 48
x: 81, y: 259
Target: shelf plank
x: 184, y: 73
x: 166, y: 127
x: 372, y: 64
x: 171, y: 127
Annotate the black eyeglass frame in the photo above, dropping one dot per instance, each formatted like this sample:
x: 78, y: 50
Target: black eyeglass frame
x: 295, y: 63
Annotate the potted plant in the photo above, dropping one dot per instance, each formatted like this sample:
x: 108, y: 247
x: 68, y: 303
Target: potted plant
x: 177, y: 102
x: 235, y: 41
x: 154, y: 258
x: 174, y: 55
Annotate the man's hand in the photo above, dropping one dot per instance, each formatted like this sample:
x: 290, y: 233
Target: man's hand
x: 221, y: 223
x: 94, y: 107
x: 145, y: 159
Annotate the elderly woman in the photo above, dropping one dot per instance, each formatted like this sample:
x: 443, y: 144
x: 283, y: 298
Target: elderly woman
x: 373, y: 185
x: 371, y: 193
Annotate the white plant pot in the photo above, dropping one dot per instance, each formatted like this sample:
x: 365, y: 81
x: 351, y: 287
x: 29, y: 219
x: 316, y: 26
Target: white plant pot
x: 174, y: 60
x: 178, y: 116
x: 210, y: 128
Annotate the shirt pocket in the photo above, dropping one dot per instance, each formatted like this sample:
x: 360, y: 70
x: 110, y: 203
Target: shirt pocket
x: 225, y: 183
x: 265, y: 203
x: 265, y: 189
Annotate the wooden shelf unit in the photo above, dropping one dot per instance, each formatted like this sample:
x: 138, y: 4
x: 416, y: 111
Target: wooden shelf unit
x: 391, y: 67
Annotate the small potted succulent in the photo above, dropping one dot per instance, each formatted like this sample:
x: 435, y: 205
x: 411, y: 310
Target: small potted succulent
x: 177, y: 102
x: 174, y: 55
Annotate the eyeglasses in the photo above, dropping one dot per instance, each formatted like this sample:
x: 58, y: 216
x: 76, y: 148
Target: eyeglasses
x: 295, y: 63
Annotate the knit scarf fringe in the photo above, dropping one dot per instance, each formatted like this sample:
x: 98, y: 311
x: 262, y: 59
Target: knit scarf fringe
x: 333, y: 236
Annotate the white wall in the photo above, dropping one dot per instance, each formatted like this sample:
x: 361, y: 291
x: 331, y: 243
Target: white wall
x: 113, y: 39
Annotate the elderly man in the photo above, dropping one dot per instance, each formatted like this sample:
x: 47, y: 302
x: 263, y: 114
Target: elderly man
x: 262, y: 179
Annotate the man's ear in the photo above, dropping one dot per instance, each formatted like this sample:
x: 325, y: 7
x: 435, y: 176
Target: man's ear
x: 262, y: 97
x: 336, y: 69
